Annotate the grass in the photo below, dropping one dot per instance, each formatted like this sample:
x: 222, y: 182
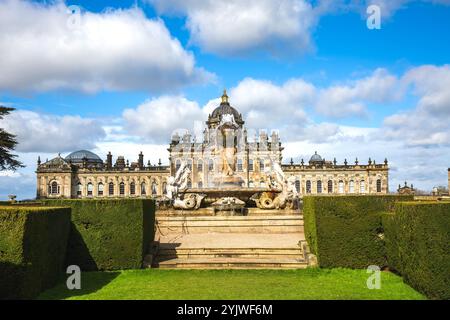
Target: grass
x: 311, y: 284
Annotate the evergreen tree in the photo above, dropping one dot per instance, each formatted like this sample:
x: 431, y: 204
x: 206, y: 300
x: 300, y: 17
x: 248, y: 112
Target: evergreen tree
x: 8, y: 142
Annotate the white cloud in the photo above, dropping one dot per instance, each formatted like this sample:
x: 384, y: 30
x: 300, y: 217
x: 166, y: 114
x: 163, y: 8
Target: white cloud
x: 227, y: 27
x: 284, y: 27
x: 50, y: 133
x: 427, y: 124
x: 157, y: 119
x: 432, y: 84
x: 114, y: 50
x: 266, y: 104
x: 340, y: 101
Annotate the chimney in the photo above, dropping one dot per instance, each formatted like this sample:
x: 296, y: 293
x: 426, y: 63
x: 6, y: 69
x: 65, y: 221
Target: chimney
x: 141, y: 160
x: 109, y: 160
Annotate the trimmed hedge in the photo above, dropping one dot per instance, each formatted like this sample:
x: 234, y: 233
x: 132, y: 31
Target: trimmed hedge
x: 346, y: 231
x: 109, y: 234
x: 33, y: 245
x: 418, y: 245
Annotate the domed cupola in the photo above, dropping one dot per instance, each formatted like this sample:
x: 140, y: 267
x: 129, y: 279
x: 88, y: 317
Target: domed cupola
x: 315, y: 159
x: 225, y: 109
x: 84, y: 156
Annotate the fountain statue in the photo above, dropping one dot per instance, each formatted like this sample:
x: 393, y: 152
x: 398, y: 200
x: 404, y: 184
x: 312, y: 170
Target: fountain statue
x: 176, y: 187
x: 287, y: 191
x: 226, y: 177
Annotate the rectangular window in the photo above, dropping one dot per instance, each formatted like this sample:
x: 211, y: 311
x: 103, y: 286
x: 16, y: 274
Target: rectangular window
x: 239, y: 165
x: 261, y: 165
x: 250, y: 165
x: 308, y: 186
x: 319, y: 186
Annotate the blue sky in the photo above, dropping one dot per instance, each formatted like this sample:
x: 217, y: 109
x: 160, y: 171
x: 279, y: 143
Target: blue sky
x: 353, y: 91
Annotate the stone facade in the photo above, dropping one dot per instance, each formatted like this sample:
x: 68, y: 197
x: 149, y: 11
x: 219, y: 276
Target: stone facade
x: 83, y: 174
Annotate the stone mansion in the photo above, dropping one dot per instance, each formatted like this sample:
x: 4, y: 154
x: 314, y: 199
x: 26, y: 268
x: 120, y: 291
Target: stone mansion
x: 83, y: 174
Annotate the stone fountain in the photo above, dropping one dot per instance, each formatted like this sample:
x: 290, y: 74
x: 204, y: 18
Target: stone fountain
x: 226, y: 191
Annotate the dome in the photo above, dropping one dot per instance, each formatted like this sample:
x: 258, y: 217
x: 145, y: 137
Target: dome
x: 225, y: 108
x: 316, y: 158
x: 78, y: 157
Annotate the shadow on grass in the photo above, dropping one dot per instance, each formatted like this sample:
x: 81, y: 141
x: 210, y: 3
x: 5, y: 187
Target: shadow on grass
x: 91, y: 282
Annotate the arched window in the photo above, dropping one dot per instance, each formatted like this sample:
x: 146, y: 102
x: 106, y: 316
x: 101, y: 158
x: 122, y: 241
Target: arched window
x: 297, y: 185
x: 132, y: 188
x: 250, y: 165
x: 100, y: 189
x: 200, y: 184
x: 79, y: 189
x: 308, y: 186
x: 164, y: 187
x: 211, y: 165
x: 239, y: 165
x: 330, y: 186
x: 143, y: 189
x: 262, y: 184
x: 111, y: 188
x: 122, y: 188
x: 90, y: 189
x: 200, y: 166
x: 251, y: 184
x: 362, y: 187
x: 341, y: 186
x: 154, y: 188
x: 319, y: 186
x: 379, y: 185
x: 351, y: 186
x: 54, y: 188
x: 177, y: 164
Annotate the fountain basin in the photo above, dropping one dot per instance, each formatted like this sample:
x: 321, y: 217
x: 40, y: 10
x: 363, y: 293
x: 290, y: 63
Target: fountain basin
x: 215, y: 194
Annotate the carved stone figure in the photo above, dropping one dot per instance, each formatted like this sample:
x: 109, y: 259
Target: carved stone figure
x: 228, y: 201
x: 278, y: 181
x: 191, y: 201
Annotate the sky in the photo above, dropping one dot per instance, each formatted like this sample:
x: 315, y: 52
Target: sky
x: 123, y: 76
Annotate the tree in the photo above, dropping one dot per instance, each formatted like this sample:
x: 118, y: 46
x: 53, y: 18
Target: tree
x: 8, y: 143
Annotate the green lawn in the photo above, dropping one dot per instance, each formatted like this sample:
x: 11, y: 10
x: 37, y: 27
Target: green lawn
x: 234, y: 284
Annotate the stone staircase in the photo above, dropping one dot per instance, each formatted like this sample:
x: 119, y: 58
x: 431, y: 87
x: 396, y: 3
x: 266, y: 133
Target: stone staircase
x: 229, y: 242
x: 227, y: 224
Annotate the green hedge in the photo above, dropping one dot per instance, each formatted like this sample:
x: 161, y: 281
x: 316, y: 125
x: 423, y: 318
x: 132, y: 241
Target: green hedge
x: 346, y: 231
x: 33, y: 245
x: 418, y: 245
x: 109, y: 234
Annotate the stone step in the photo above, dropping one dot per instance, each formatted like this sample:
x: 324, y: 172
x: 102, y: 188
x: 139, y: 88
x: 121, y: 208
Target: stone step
x: 242, y: 224
x: 232, y: 263
x: 229, y: 218
x: 166, y: 252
